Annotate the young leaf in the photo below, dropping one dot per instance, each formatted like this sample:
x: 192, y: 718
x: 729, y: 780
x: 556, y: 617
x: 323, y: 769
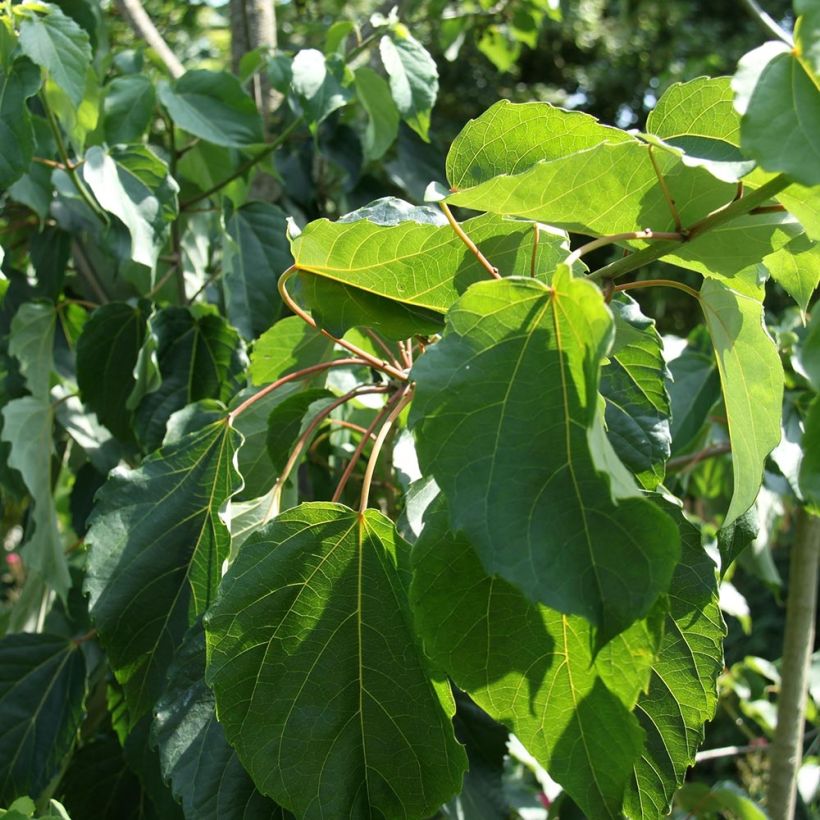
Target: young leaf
x: 326, y: 717
x: 780, y: 112
x: 203, y: 770
x: 637, y: 406
x: 383, y: 116
x: 255, y: 252
x: 107, y: 353
x: 42, y: 689
x: 18, y: 82
x: 413, y: 78
x: 503, y: 407
x: 796, y: 268
x: 289, y: 345
x: 55, y: 42
x: 531, y: 668
x: 682, y: 692
x: 200, y: 356
x: 128, y: 106
x: 316, y: 82
x: 752, y: 380
x: 213, y: 106
x: 156, y: 547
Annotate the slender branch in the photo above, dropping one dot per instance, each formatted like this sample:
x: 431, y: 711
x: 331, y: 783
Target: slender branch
x: 245, y: 166
x: 729, y: 751
x: 379, y: 342
x: 493, y: 271
x: 86, y: 269
x: 290, y: 377
x: 798, y: 642
x: 69, y: 166
x: 384, y: 366
x: 405, y: 396
x: 602, y: 241
x: 692, y: 459
x: 144, y: 27
x: 357, y: 453
x: 656, y: 283
x: 768, y: 209
x: 667, y: 194
x: 305, y: 437
x: 767, y: 22
x: 172, y: 268
x: 655, y: 251
x: 535, y: 239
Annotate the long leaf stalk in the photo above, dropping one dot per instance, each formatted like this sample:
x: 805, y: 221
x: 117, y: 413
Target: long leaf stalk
x: 798, y: 643
x: 462, y: 235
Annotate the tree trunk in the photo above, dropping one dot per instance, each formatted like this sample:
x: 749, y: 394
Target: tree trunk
x: 253, y: 25
x: 801, y: 609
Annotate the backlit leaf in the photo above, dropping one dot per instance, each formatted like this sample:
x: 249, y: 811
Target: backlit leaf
x: 519, y: 364
x: 383, y: 116
x: 291, y: 344
x: 320, y: 682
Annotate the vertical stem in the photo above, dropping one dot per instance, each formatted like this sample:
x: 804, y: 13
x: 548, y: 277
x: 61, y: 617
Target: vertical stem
x: 461, y: 234
x: 801, y: 610
x: 667, y: 194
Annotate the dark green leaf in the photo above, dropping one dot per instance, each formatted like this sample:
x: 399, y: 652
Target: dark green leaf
x: 202, y: 769
x: 107, y: 354
x: 317, y: 84
x: 42, y: 689
x: 504, y: 406
x: 128, y: 106
x: 732, y: 540
x: 285, y: 423
x: 255, y: 253
x: 413, y: 78
x: 59, y: 45
x: 682, y: 692
x: 156, y: 547
x: 213, y: 105
x: 310, y: 616
x: 383, y: 116
x: 200, y: 356
x: 532, y: 668
x: 17, y: 83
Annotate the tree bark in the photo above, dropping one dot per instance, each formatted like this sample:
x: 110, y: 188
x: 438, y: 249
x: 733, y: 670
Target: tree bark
x: 801, y: 609
x: 144, y: 27
x: 253, y: 25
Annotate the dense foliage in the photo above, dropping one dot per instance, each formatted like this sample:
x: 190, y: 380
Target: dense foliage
x: 377, y: 516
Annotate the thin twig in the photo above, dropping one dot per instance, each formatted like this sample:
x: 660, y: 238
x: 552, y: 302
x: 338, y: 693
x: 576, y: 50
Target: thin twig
x: 535, y: 238
x: 144, y: 27
x: 290, y: 377
x: 377, y: 340
x: 693, y: 459
x: 657, y: 283
x: 384, y: 366
x: 459, y: 231
x: 729, y: 751
x: 667, y: 194
x: 405, y: 396
x: 602, y: 241
x: 767, y: 22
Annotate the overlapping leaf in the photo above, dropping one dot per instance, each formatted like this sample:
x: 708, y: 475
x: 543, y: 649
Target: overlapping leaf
x: 289, y: 345
x: 18, y: 82
x: 503, y: 408
x: 156, y: 548
x: 42, y: 689
x: 127, y: 108
x: 532, y: 668
x: 320, y: 683
x: 752, y: 380
x: 202, y: 768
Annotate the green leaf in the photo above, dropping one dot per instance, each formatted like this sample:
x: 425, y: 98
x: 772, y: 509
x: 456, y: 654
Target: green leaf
x: 200, y: 356
x: 310, y: 615
x: 213, y: 106
x: 128, y: 107
x: 423, y: 265
x: 509, y: 138
x: 383, y: 116
x: 107, y: 354
x: 289, y: 345
x: 807, y: 38
x: 637, y: 406
x: 568, y: 191
x: 498, y: 48
x: 796, y: 268
x: 55, y: 42
x: 531, y: 668
x: 725, y: 798
x: 751, y: 377
x: 255, y: 253
x: 682, y: 692
x: 203, y: 770
x: 413, y: 78
x: 17, y: 83
x: 32, y: 342
x: 156, y: 548
x: 694, y: 389
x: 732, y: 540
x: 78, y: 121
x: 42, y: 689
x: 809, y: 476
x: 285, y: 422
x: 28, y: 427
x: 503, y: 408
x: 779, y: 105
x: 317, y: 84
